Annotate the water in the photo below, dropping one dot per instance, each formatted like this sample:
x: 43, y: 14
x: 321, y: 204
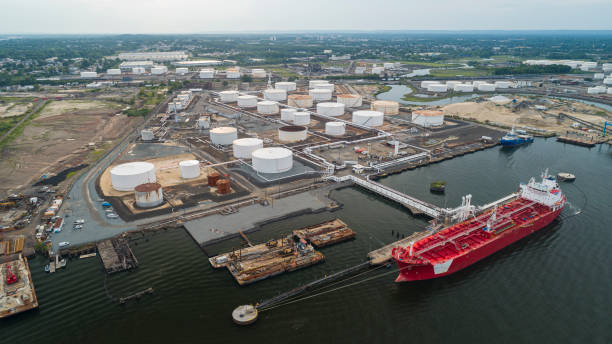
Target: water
x: 397, y: 92
x: 551, y: 287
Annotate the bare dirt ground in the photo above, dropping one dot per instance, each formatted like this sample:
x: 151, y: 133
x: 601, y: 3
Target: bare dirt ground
x: 528, y: 115
x: 13, y: 109
x: 57, y: 139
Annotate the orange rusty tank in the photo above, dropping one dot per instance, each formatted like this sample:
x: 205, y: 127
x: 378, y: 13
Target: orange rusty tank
x: 223, y: 186
x: 213, y: 178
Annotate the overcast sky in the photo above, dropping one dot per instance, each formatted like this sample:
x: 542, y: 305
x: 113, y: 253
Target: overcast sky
x: 202, y: 16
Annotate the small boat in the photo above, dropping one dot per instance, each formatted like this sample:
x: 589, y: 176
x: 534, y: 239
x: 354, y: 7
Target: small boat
x: 515, y: 138
x: 566, y: 177
x: 437, y: 186
x: 47, y: 268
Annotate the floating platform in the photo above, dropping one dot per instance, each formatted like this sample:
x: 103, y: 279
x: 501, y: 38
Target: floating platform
x: 19, y: 296
x: 252, y: 264
x: 577, y: 141
x: 326, y: 233
x: 116, y: 255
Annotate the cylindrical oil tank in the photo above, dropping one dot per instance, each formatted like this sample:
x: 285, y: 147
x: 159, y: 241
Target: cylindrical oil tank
x: 330, y: 87
x: 286, y: 85
x: 300, y: 100
x: 243, y: 148
x: 368, y: 118
x: 451, y: 84
x: 189, y: 169
x: 147, y: 134
x: 272, y: 160
x: 287, y: 114
x: 113, y: 71
x: 207, y: 73
x: 126, y: 177
x: 212, y: 178
x: 437, y: 88
x: 426, y: 83
x: 335, y: 128
x: 182, y: 71
x: 301, y: 118
x: 463, y: 88
x: 503, y: 84
x: 486, y: 87
x: 320, y: 94
x: 267, y: 107
x: 292, y: 133
x: 148, y: 195
x: 330, y: 109
x: 388, y: 107
x: 428, y: 118
x: 247, y: 101
x: 314, y: 83
x: 275, y: 94
x: 228, y: 96
x: 223, y: 135
x: 349, y: 100
x: 223, y: 186
x: 258, y: 73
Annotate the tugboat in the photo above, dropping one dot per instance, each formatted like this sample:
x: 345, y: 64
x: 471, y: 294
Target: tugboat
x: 515, y: 138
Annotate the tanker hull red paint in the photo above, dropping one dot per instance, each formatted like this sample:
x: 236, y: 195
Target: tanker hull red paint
x: 414, y: 272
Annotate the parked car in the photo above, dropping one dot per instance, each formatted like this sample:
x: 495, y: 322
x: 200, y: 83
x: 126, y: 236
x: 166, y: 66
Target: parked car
x: 63, y: 244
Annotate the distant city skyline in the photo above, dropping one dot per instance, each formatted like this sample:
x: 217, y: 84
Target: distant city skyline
x: 188, y: 16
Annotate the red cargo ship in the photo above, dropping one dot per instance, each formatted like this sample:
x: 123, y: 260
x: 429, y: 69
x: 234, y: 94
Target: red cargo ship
x: 535, y: 206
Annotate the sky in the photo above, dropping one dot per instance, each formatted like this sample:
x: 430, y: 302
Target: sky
x: 205, y: 16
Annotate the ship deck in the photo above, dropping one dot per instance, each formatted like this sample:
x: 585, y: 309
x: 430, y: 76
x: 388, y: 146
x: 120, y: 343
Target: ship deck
x: 470, y: 234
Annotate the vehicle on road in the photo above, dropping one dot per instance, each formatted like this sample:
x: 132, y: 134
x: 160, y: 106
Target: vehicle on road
x: 63, y: 244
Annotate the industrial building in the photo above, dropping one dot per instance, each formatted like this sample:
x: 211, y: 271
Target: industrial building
x: 157, y: 56
x: 129, y: 65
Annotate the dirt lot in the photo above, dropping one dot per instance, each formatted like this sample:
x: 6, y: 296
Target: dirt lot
x: 57, y: 139
x: 528, y: 115
x: 13, y: 109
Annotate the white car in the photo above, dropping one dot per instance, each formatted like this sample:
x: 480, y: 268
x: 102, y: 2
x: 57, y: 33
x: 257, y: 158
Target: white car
x: 112, y: 215
x: 63, y: 244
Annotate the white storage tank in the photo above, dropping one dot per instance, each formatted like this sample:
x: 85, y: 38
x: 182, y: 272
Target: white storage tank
x: 335, y: 128
x: 378, y: 70
x: 147, y: 134
x: 388, y: 107
x: 368, y: 118
x: 330, y: 109
x: 301, y: 118
x: 478, y: 82
x: 464, y: 88
x: 148, y: 195
x: 607, y: 81
x: 182, y: 71
x: 247, y: 101
x: 159, y: 70
x: 300, y: 100
x: 437, y: 88
x: 228, y: 96
x: 287, y: 114
x: 275, y: 94
x: 388, y: 65
x: 138, y: 70
x: 320, y: 94
x: 125, y: 177
x: 330, y: 87
x: 233, y: 73
x: 503, y: 84
x: 292, y: 133
x: 244, y: 148
x: 426, y: 83
x: 267, y: 107
x: 189, y: 169
x: 286, y: 85
x: 272, y: 160
x: 451, y: 84
x: 486, y: 87
x: 258, y: 73
x: 599, y: 76
x: 314, y: 83
x: 223, y: 135
x: 428, y: 118
x: 349, y: 100
x: 207, y: 73
x: 117, y: 71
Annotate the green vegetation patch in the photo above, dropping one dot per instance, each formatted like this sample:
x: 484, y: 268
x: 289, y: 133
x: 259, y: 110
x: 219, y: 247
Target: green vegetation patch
x: 19, y: 129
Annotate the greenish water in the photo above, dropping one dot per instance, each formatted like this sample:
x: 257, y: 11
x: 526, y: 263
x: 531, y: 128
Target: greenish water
x: 552, y: 287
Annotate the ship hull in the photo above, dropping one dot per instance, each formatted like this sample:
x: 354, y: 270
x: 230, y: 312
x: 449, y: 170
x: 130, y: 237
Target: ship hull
x: 415, y: 272
x: 515, y: 142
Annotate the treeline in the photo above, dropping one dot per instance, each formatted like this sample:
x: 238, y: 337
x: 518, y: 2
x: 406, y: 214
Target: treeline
x: 527, y: 69
x: 353, y: 77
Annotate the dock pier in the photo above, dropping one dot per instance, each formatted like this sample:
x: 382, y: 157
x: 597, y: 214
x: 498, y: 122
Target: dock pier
x: 138, y: 295
x: 116, y: 255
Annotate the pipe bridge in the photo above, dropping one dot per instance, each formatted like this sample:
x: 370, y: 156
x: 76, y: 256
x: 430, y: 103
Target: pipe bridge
x: 415, y: 205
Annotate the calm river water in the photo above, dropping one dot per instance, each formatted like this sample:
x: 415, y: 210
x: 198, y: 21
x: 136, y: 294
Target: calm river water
x: 552, y: 287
